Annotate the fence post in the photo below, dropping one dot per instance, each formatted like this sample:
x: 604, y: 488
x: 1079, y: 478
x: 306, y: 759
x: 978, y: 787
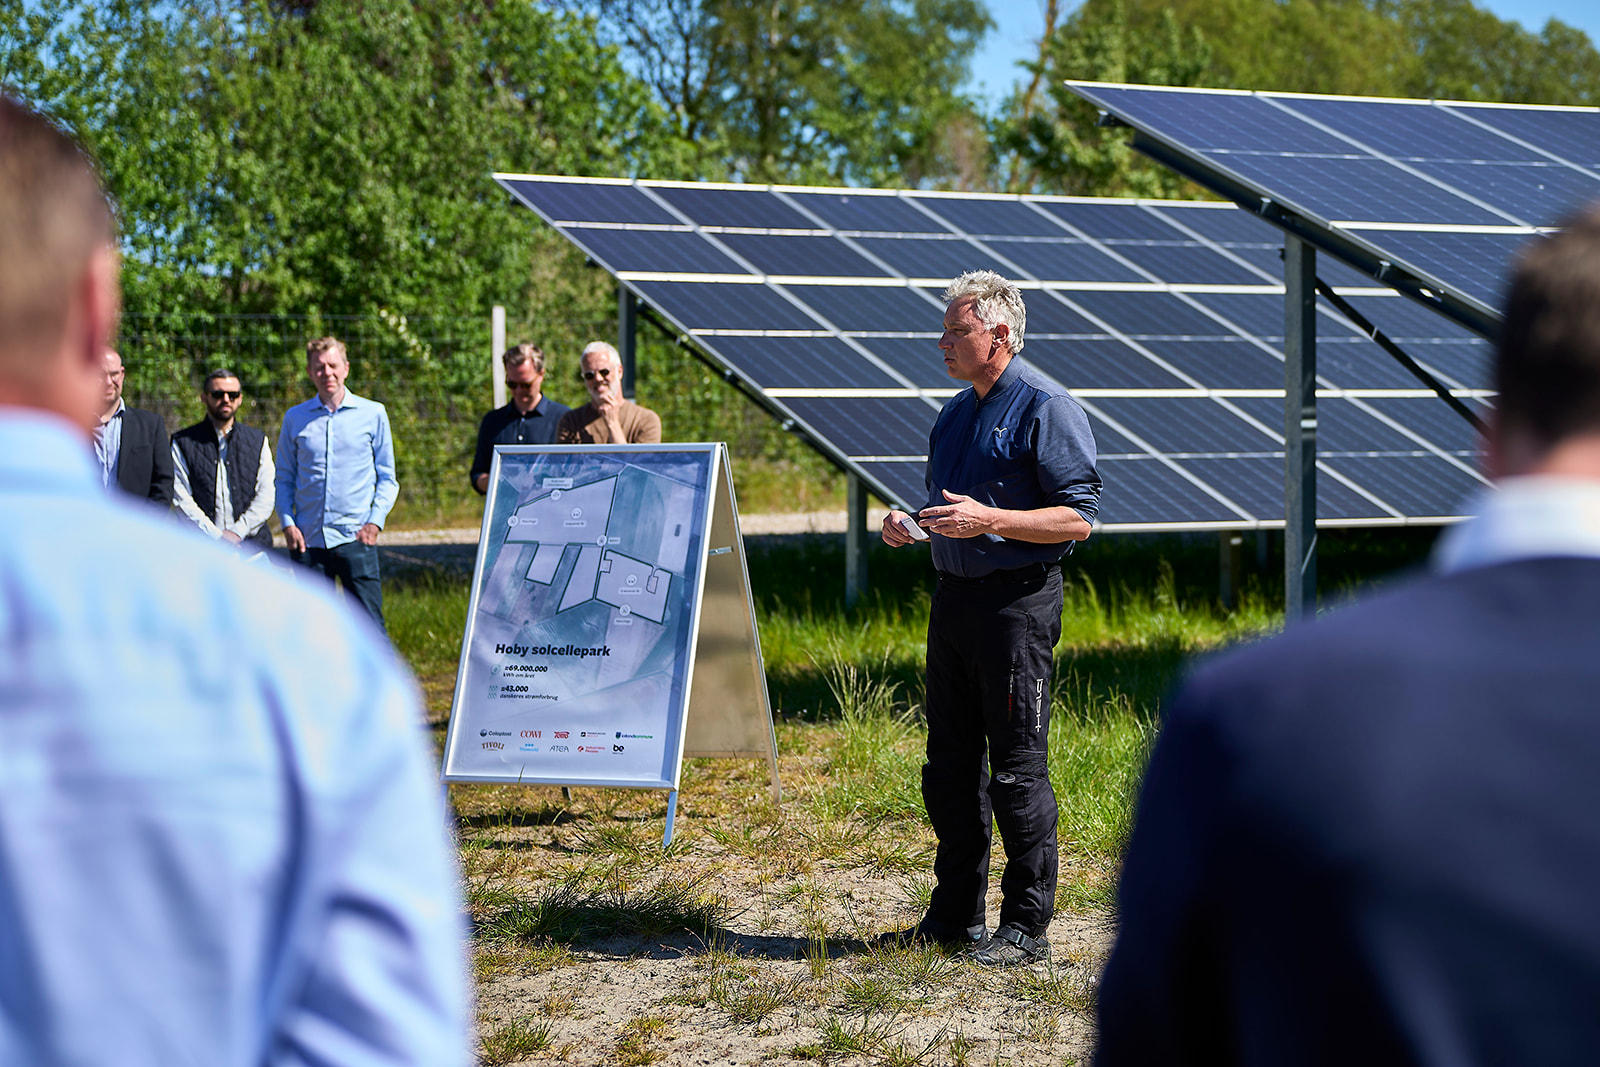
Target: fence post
x: 497, y: 343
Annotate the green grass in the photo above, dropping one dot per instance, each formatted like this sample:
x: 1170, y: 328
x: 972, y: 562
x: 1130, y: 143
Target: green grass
x: 549, y: 878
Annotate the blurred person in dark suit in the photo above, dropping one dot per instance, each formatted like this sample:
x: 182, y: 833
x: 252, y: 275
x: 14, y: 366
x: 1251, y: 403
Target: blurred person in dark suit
x: 131, y: 444
x: 1373, y: 839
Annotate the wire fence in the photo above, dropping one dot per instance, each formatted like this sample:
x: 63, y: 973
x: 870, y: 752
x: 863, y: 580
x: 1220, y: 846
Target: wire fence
x: 433, y: 374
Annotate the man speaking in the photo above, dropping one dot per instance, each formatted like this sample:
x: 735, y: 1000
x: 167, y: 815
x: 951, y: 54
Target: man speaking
x: 1011, y: 484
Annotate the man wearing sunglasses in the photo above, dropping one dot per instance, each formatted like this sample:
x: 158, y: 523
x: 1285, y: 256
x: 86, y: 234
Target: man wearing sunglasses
x: 608, y: 418
x: 223, y: 470
x: 530, y: 418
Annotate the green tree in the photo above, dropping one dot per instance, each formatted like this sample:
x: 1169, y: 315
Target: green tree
x: 839, y: 91
x: 333, y: 158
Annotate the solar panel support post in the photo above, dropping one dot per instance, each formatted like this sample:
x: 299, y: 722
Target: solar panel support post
x: 856, y: 541
x: 627, y: 335
x: 1300, y: 429
x: 1230, y: 567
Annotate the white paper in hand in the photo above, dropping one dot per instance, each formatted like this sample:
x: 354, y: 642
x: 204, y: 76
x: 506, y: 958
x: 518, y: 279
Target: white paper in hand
x: 909, y: 525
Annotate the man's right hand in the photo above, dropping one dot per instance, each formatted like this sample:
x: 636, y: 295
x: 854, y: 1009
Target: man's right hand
x: 894, y: 535
x: 294, y: 539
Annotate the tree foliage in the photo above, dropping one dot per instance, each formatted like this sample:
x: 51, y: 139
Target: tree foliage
x: 842, y: 91
x: 332, y: 158
x: 1445, y: 49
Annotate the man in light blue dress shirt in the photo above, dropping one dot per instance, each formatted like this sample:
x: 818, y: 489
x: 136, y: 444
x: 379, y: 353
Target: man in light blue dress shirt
x: 336, y: 479
x: 221, y: 840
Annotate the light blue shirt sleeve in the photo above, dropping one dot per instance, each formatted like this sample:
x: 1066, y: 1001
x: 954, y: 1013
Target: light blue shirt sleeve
x: 287, y: 473
x: 387, y: 490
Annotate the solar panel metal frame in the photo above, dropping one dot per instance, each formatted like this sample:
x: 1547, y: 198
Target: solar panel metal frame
x: 785, y: 403
x: 1347, y: 241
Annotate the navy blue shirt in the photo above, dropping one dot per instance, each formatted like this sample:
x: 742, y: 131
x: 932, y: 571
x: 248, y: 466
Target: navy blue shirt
x: 1024, y: 446
x: 508, y: 426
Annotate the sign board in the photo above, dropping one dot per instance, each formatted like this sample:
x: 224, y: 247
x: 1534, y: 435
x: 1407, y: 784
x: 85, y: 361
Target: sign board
x: 611, y: 629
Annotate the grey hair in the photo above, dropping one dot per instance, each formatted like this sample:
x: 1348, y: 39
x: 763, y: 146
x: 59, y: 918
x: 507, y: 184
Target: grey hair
x: 994, y: 300
x: 601, y: 346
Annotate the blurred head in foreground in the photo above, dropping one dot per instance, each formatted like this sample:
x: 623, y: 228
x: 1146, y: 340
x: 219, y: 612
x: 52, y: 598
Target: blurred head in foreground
x: 58, y: 270
x: 1371, y: 839
x: 220, y: 834
x: 1548, y: 367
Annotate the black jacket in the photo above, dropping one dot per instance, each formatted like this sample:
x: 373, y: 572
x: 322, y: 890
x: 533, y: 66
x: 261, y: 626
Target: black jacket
x: 144, y: 465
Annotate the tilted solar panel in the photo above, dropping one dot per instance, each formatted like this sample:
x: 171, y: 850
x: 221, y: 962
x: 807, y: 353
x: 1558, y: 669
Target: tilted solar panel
x: 1432, y: 197
x: 1165, y: 319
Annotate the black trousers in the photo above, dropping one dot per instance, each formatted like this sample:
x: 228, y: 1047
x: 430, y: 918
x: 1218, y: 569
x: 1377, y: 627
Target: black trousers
x: 989, y: 659
x: 355, y: 565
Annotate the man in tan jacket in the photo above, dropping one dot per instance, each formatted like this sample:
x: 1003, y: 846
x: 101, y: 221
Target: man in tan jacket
x: 608, y: 418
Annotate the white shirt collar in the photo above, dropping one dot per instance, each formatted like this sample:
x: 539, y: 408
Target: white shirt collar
x: 1523, y: 518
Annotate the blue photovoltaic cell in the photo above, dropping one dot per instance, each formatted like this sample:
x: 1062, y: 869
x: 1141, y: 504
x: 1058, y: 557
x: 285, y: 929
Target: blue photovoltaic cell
x: 817, y: 257
x: 708, y: 306
x: 1150, y: 314
x: 855, y: 211
x: 869, y: 426
x: 980, y: 216
x: 1537, y: 194
x: 590, y: 202
x: 1359, y: 190
x: 1228, y: 121
x: 1435, y: 420
x: 754, y: 208
x: 1416, y: 485
x: 1094, y: 363
x: 1268, y: 261
x: 1458, y: 364
x: 802, y: 362
x: 1065, y: 261
x: 1341, y: 426
x: 1048, y: 313
x: 927, y: 257
x: 1474, y: 263
x: 1409, y: 131
x: 1225, y: 225
x: 905, y: 481
x: 1103, y: 221
x: 1222, y: 364
x: 1187, y: 264
x: 1256, y: 484
x: 1184, y: 424
x: 1108, y: 442
x: 916, y: 358
x: 1402, y: 319
x: 891, y: 309
x: 1148, y: 491
x: 675, y: 251
x: 1258, y: 314
x: 1361, y: 364
x: 1572, y: 135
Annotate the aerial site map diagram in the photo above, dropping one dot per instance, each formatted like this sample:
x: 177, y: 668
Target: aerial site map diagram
x: 579, y: 632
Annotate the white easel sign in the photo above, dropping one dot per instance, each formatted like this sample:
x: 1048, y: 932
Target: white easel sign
x: 600, y: 570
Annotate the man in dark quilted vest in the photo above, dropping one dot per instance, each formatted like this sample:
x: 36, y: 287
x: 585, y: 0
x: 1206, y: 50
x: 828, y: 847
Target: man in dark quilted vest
x: 223, y: 471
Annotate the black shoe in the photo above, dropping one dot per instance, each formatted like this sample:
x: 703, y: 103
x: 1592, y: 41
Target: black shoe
x: 1010, y: 947
x: 926, y: 932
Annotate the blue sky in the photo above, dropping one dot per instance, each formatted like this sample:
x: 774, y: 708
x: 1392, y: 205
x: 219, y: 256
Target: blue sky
x: 1019, y: 23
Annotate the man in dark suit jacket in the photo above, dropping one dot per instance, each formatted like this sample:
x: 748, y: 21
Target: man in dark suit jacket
x: 1376, y: 838
x: 132, y: 445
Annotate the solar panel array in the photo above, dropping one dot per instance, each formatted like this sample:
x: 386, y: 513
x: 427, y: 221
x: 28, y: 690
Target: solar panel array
x: 1447, y: 191
x: 1165, y: 320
